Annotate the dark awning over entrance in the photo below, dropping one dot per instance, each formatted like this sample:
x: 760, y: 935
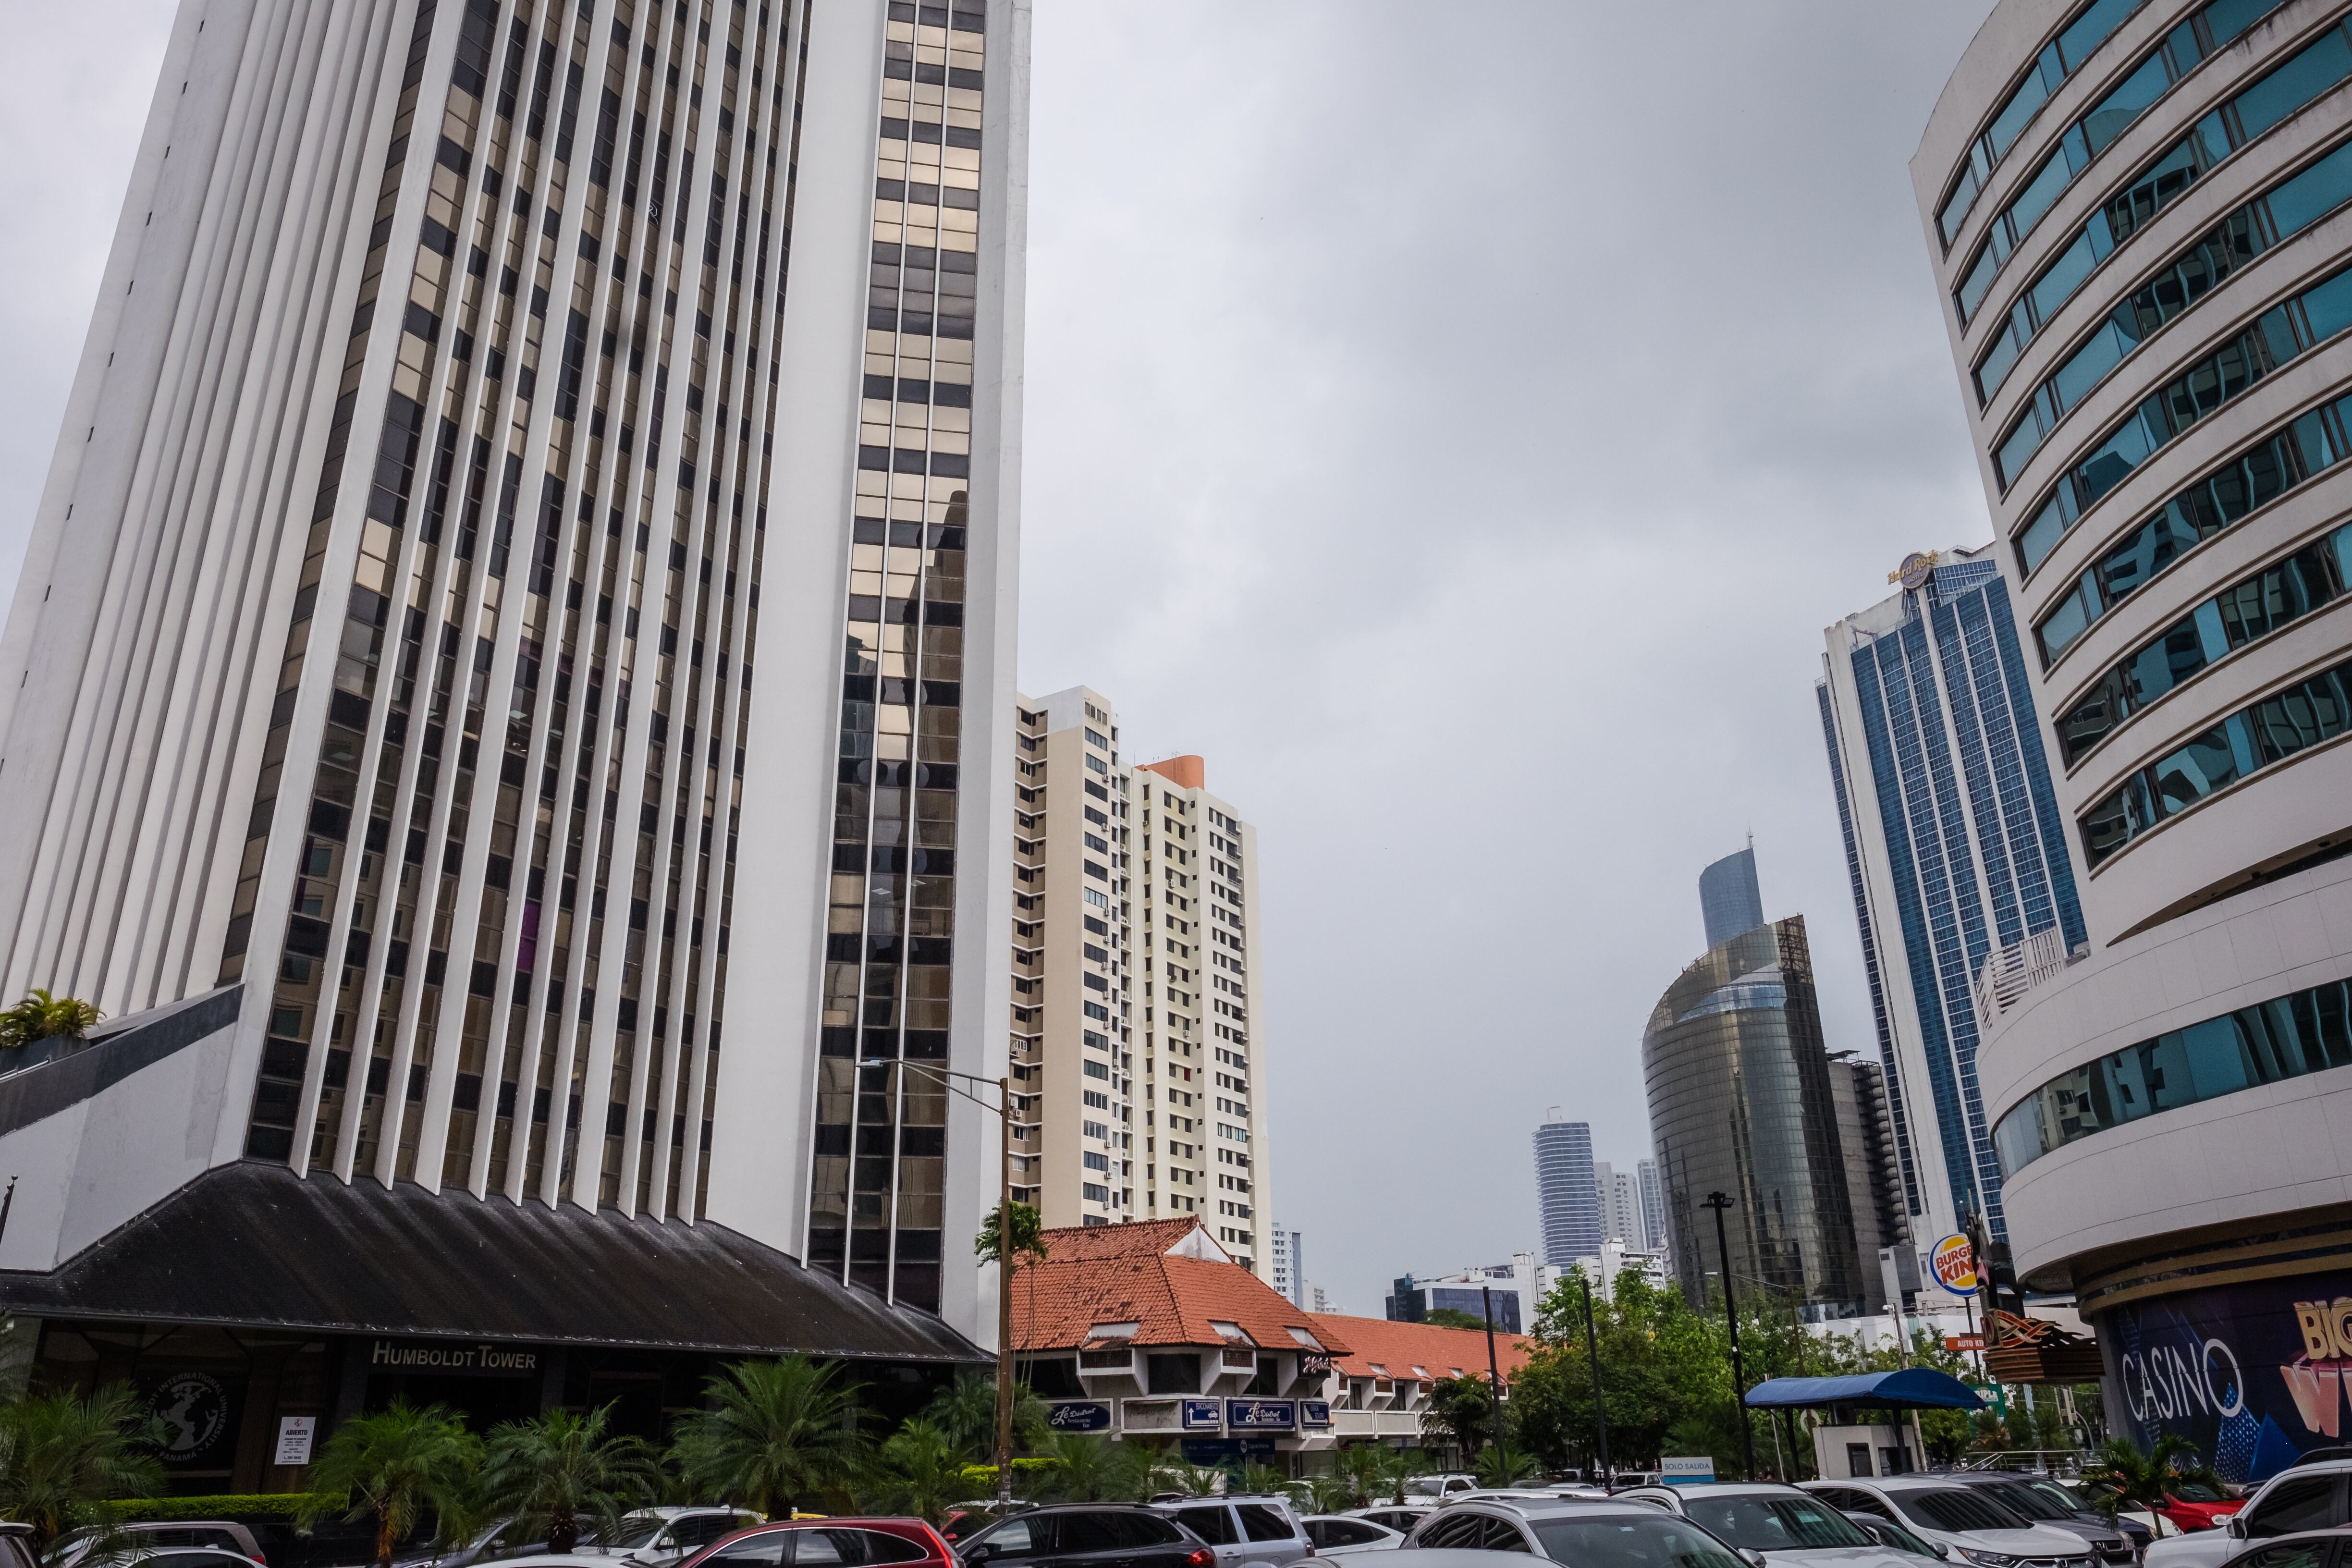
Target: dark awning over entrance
x: 1913, y: 1388
x: 253, y: 1245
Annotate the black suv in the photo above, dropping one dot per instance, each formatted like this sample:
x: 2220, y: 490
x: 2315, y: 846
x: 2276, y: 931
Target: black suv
x: 1086, y: 1535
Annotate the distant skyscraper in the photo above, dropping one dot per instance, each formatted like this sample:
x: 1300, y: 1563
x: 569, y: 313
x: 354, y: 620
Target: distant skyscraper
x: 1955, y: 849
x: 1741, y: 1103
x: 1729, y: 899
x: 1621, y: 1205
x: 1565, y: 1193
x: 1654, y: 1206
x: 1288, y: 1273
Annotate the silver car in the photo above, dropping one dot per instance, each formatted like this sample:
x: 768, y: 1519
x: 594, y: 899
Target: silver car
x: 1261, y: 1530
x: 1789, y: 1528
x: 1584, y: 1534
x: 1980, y: 1530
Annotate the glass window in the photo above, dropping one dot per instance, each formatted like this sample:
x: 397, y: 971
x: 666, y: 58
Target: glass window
x: 1452, y: 1529
x: 768, y: 1549
x: 2301, y: 1503
x: 1619, y: 1542
x: 1264, y: 1521
x: 2108, y: 118
x: 2287, y: 89
x: 1016, y: 1537
x: 2299, y: 201
x: 2092, y: 28
x: 876, y: 1548
x: 1211, y: 1523
x: 1502, y: 1535
x: 2297, y: 1554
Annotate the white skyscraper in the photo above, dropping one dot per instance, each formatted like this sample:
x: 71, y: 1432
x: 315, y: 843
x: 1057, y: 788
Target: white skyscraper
x: 480, y: 393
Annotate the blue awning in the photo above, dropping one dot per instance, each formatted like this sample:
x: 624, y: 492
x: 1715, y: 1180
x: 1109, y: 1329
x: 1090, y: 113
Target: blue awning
x: 1913, y: 1388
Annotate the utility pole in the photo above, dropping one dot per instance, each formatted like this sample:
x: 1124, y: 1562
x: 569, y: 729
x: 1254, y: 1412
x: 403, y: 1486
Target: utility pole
x: 1494, y: 1383
x: 1719, y: 1202
x: 1592, y: 1344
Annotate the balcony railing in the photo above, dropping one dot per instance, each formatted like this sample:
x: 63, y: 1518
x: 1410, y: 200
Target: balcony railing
x: 2012, y: 972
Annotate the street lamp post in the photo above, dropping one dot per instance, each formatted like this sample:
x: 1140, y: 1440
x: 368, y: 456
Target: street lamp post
x: 1592, y: 1344
x: 1495, y: 1385
x: 1003, y: 1108
x: 1719, y: 1202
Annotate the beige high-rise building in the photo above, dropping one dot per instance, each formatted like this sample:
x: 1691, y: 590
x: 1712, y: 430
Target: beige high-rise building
x: 1136, y: 1054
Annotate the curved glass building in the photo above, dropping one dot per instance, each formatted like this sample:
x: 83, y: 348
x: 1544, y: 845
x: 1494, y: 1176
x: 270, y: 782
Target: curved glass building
x: 2140, y: 213
x: 1741, y: 1103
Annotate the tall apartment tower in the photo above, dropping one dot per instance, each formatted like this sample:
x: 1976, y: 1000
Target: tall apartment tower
x: 1565, y: 1191
x: 1135, y: 1053
x: 1954, y: 850
x: 1621, y: 1205
x: 1654, y: 1206
x: 2140, y: 218
x: 481, y: 392
x: 1289, y: 1273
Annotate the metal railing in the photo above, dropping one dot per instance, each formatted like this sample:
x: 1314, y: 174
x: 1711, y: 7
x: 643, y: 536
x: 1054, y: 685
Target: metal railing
x: 2012, y: 971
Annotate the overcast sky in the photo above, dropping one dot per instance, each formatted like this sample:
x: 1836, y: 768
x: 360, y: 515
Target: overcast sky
x: 1457, y: 424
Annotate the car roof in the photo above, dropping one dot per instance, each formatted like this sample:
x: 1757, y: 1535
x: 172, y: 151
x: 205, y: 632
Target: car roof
x: 1534, y: 1509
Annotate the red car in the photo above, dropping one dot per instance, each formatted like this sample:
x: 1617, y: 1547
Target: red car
x: 2194, y: 1507
x: 828, y: 1543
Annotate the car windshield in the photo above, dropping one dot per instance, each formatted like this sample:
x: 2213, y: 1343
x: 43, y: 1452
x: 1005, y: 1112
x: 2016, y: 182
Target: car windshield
x: 634, y: 1531
x: 1772, y: 1523
x: 2029, y: 1501
x: 2190, y: 1491
x: 1632, y: 1543
x: 2062, y: 1503
x: 1886, y: 1532
x: 1956, y: 1510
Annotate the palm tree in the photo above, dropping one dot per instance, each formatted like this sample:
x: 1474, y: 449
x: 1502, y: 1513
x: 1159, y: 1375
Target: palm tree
x: 777, y: 1431
x: 1334, y: 1493
x: 919, y: 1470
x: 2125, y: 1478
x: 1505, y: 1467
x: 552, y: 1474
x: 965, y: 1412
x: 1261, y: 1480
x: 1191, y: 1480
x: 1382, y: 1471
x: 1090, y: 1469
x: 42, y: 1017
x: 393, y: 1466
x: 67, y: 1457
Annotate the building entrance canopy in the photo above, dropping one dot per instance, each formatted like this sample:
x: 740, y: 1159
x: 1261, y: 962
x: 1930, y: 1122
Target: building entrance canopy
x: 1913, y: 1388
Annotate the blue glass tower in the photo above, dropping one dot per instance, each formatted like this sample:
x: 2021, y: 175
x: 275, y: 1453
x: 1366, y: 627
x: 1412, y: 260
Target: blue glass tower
x: 1565, y: 1193
x: 1954, y: 847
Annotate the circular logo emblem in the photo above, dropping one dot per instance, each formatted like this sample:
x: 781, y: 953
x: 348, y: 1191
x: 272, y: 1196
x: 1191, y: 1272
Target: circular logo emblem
x: 194, y: 1409
x: 1913, y: 572
x: 1955, y: 1263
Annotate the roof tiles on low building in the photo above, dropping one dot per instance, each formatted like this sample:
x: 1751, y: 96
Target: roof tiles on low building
x: 1420, y: 1351
x: 1167, y: 1279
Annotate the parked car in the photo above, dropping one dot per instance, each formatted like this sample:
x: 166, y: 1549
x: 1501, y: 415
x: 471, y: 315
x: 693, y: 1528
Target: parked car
x: 2295, y: 1502
x: 1399, y: 1517
x: 1243, y: 1529
x: 2307, y: 1549
x: 1888, y: 1533
x: 2192, y: 1505
x: 1337, y: 1534
x: 1582, y: 1534
x: 146, y: 1540
x: 1444, y: 1483
x: 1790, y: 1529
x: 826, y: 1544
x: 16, y: 1546
x: 1979, y: 1527
x: 1084, y: 1535
x: 658, y: 1537
x: 2046, y: 1502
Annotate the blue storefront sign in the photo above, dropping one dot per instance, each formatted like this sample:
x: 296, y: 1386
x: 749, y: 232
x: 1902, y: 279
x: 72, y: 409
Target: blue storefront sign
x: 1078, y: 1415
x: 1202, y: 1416
x: 1262, y: 1415
x: 1315, y: 1413
x: 2252, y: 1373
x: 1227, y: 1450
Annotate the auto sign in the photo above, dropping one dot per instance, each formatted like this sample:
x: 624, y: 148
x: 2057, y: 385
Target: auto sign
x: 1955, y: 1263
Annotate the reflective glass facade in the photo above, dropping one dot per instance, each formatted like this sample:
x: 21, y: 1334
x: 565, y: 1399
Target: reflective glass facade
x: 1963, y: 851
x: 1741, y: 1103
x: 1566, y: 1198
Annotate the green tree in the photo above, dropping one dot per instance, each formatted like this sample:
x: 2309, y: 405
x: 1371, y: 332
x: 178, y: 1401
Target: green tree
x: 1093, y: 1470
x: 560, y: 1471
x: 1460, y: 1411
x: 1183, y: 1476
x: 1506, y: 1467
x: 41, y: 1016
x: 1028, y: 1236
x: 1333, y: 1492
x: 2124, y: 1478
x: 776, y: 1431
x: 917, y: 1470
x: 965, y: 1413
x: 394, y: 1467
x: 1260, y: 1480
x: 1453, y: 1318
x: 64, y: 1459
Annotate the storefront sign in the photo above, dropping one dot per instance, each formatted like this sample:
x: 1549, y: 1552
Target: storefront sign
x: 1078, y: 1415
x: 1227, y: 1450
x: 2249, y: 1373
x: 295, y: 1434
x: 1202, y: 1415
x: 1315, y: 1413
x: 199, y: 1415
x: 1261, y: 1414
x: 1955, y: 1263
x: 1964, y: 1342
x: 439, y: 1359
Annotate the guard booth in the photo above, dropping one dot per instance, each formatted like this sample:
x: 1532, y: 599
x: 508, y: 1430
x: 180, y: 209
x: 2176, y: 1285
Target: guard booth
x: 1845, y: 1449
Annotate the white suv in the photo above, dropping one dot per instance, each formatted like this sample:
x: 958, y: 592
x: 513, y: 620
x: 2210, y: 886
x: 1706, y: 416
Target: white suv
x: 2307, y: 1496
x: 1790, y: 1529
x: 1979, y: 1529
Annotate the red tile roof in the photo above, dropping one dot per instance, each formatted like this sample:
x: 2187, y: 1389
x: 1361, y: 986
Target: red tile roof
x: 1375, y: 1343
x: 1132, y: 1273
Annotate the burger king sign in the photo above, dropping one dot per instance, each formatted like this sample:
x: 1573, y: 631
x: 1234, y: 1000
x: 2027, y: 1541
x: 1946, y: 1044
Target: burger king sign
x: 1955, y: 1263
